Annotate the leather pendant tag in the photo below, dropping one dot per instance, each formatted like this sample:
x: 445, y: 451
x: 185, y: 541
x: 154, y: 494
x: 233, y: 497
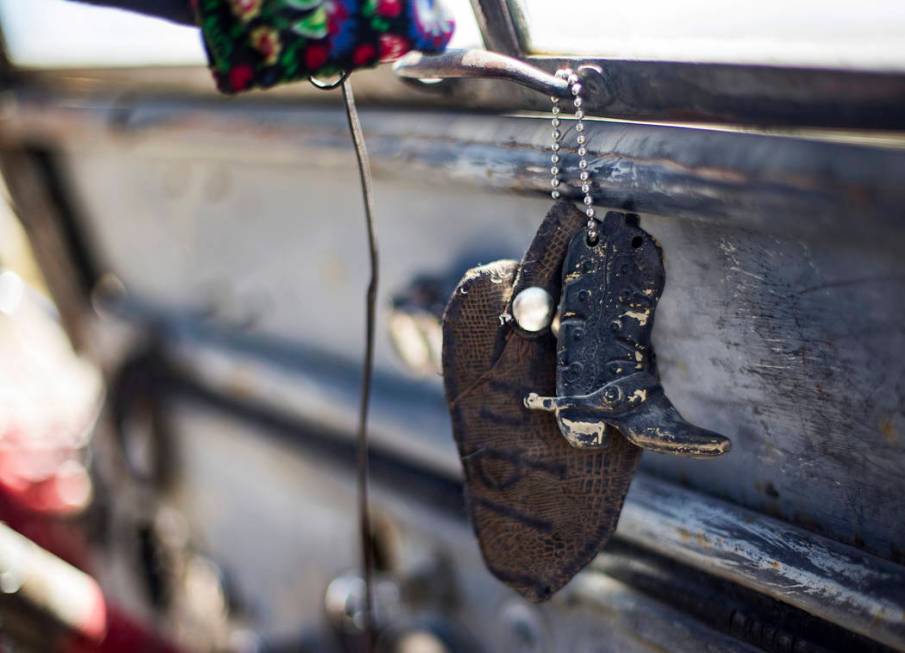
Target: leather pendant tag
x: 540, y: 507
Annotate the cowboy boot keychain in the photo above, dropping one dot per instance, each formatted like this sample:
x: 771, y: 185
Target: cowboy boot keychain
x: 549, y: 426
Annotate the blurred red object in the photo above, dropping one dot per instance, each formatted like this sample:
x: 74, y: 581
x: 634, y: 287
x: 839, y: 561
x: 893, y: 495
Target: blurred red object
x: 50, y: 399
x: 49, y: 402
x: 72, y: 599
x: 123, y: 634
x: 44, y: 480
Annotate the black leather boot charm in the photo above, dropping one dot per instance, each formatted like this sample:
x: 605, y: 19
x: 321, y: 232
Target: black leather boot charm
x: 606, y: 370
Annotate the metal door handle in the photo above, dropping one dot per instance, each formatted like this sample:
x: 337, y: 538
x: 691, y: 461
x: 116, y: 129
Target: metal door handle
x: 481, y: 64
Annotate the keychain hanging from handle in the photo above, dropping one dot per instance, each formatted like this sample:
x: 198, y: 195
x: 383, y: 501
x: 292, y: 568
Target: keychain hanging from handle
x: 545, y: 490
x: 606, y: 371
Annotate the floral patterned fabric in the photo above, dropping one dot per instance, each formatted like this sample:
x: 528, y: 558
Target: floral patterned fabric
x: 260, y: 43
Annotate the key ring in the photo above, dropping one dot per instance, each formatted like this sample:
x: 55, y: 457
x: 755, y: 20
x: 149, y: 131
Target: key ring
x: 328, y: 86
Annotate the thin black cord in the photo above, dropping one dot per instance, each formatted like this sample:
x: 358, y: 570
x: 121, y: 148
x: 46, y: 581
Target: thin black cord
x: 364, y: 173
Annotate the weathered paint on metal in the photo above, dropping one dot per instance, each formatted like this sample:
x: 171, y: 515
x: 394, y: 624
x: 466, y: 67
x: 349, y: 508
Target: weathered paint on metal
x: 822, y: 577
x: 825, y: 578
x: 763, y: 267
x: 785, y: 290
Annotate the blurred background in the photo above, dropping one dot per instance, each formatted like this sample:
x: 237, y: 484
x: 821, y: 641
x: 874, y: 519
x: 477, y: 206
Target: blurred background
x: 182, y: 279
x: 102, y: 546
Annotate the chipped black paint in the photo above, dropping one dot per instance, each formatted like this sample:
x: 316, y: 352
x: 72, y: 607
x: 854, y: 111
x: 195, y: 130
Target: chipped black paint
x: 606, y: 370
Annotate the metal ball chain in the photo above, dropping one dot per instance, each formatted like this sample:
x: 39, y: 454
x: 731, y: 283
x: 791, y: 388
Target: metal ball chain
x: 557, y: 140
x: 556, y: 158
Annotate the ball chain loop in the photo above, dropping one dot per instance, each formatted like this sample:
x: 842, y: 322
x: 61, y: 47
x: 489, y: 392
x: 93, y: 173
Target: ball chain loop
x: 555, y: 158
x: 575, y: 89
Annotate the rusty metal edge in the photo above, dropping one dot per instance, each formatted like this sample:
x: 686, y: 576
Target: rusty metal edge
x: 827, y: 579
x: 748, y: 180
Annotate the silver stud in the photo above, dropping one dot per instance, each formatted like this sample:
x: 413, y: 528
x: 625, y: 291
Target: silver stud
x: 576, y: 89
x: 555, y: 194
x: 533, y: 309
x: 554, y: 99
x: 577, y: 102
x: 554, y: 183
x: 556, y: 122
x: 556, y: 110
x: 583, y: 175
x: 554, y: 158
x: 586, y: 188
x: 582, y: 164
x: 588, y: 200
x: 582, y: 151
x: 557, y: 134
x: 555, y: 147
x: 554, y: 171
x: 579, y: 114
x: 580, y: 139
x: 579, y: 127
x: 590, y: 213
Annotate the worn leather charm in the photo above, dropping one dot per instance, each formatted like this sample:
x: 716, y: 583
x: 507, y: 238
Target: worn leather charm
x: 540, y: 507
x: 606, y: 368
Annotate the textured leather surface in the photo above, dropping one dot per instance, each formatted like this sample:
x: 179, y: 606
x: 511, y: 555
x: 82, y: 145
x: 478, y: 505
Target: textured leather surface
x: 606, y: 369
x: 607, y: 309
x: 541, y: 508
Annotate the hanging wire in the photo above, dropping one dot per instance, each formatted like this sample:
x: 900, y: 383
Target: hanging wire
x: 364, y: 174
x: 361, y: 449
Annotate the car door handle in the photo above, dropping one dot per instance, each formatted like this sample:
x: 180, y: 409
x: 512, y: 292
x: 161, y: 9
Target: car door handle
x: 483, y: 64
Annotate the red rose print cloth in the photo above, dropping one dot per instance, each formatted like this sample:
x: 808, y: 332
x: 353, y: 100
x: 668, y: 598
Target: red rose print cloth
x: 261, y: 43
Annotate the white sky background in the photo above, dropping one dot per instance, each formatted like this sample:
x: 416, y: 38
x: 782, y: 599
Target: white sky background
x: 866, y: 34
x: 822, y: 33
x: 58, y: 33
x: 51, y: 33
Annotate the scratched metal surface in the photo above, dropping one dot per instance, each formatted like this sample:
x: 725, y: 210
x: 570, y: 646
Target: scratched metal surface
x: 831, y: 581
x: 795, y: 347
x: 781, y: 323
